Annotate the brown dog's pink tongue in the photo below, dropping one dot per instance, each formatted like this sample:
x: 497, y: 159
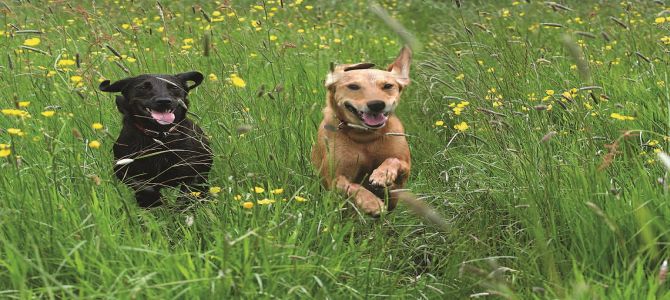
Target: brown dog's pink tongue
x: 374, y: 119
x: 163, y: 118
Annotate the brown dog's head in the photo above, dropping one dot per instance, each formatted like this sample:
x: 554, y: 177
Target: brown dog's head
x: 154, y: 100
x: 366, y: 97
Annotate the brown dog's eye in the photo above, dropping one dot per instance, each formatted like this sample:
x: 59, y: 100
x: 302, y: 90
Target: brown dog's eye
x: 354, y: 87
x: 387, y: 86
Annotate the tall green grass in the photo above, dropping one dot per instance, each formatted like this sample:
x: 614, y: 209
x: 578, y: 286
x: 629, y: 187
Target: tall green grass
x: 536, y: 205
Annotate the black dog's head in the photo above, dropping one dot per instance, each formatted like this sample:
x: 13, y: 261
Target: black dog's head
x: 157, y: 99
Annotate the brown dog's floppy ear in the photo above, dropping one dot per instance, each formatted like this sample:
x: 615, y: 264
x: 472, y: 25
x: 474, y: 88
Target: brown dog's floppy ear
x: 400, y: 67
x: 194, y: 76
x: 116, y: 86
x: 336, y: 72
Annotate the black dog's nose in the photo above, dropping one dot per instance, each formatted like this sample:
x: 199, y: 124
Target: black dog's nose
x: 163, y: 101
x: 376, y: 105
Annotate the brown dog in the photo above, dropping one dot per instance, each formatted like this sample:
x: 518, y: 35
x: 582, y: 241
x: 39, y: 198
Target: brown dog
x: 361, y: 148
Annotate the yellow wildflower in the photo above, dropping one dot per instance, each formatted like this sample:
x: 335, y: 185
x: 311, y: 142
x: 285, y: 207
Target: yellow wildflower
x: 238, y: 197
x: 550, y: 92
x: 237, y: 81
x: 214, y: 190
x: 24, y: 103
x: 265, y: 201
x: 76, y: 79
x: 32, y: 42
x: 48, y: 113
x: 461, y: 126
x: 277, y: 191
x: 439, y: 123
x: 621, y: 117
x: 248, y: 205
x: 94, y: 144
x: 258, y: 190
x: 659, y: 20
x: 213, y: 77
x: 15, y: 131
x: 97, y: 126
x: 5, y: 152
x: 299, y: 199
x: 66, y: 62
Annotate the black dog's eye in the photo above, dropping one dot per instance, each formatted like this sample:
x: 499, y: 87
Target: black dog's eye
x: 173, y: 87
x: 353, y: 87
x: 144, y: 86
x: 387, y: 86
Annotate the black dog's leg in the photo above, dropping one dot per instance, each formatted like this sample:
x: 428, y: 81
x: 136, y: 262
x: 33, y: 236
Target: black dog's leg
x: 148, y: 197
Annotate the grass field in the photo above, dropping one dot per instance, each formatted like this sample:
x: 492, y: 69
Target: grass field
x: 533, y: 127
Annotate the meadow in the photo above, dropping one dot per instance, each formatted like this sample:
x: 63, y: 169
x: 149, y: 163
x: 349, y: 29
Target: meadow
x: 534, y: 127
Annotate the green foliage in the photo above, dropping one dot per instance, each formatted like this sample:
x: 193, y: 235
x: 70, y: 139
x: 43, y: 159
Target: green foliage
x: 548, y: 178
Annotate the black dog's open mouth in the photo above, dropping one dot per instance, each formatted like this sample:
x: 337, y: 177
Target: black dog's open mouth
x: 164, y: 117
x: 369, y: 119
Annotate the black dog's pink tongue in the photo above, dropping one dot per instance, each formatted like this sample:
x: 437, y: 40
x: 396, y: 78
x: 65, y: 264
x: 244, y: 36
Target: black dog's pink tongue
x: 371, y: 119
x: 163, y: 118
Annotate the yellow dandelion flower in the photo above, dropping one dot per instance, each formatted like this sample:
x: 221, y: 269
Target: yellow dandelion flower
x: 237, y: 197
x: 76, y: 79
x: 48, y: 113
x: 621, y: 117
x: 460, y: 76
x: 461, y: 126
x: 5, y: 152
x: 213, y: 77
x: 265, y: 201
x: 277, y: 191
x: 96, y: 126
x: 550, y: 92
x: 309, y: 7
x: 66, y: 63
x: 214, y: 190
x: 15, y: 131
x: 32, y: 42
x: 94, y: 144
x: 24, y: 103
x: 300, y: 199
x: 237, y: 81
x: 273, y: 37
x: 131, y: 59
x: 258, y: 190
x: 659, y: 20
x: 439, y: 123
x: 248, y: 205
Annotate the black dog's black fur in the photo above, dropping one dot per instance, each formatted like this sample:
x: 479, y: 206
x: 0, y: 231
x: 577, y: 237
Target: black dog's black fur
x: 163, y: 155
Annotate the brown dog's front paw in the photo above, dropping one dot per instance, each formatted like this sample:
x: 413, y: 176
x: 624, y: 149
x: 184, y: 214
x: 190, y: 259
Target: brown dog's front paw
x: 369, y: 203
x: 383, y: 176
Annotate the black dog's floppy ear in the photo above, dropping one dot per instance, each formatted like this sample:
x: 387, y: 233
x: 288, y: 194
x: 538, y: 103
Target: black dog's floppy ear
x: 122, y: 104
x: 194, y: 76
x: 116, y: 86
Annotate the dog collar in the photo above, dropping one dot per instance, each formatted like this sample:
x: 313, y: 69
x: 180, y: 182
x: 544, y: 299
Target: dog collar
x: 157, y: 134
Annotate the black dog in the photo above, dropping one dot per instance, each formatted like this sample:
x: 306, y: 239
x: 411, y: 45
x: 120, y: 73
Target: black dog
x: 158, y: 146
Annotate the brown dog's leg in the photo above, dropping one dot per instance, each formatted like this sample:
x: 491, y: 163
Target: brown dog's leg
x: 392, y: 173
x: 364, y: 199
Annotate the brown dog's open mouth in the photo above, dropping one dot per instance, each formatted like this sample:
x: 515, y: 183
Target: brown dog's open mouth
x: 162, y: 117
x: 369, y: 119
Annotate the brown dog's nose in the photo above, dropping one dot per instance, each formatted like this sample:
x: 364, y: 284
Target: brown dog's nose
x: 376, y: 105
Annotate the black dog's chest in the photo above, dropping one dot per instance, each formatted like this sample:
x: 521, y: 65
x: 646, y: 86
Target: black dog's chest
x: 168, y: 161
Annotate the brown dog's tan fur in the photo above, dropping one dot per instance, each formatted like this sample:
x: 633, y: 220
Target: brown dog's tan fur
x: 350, y: 156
